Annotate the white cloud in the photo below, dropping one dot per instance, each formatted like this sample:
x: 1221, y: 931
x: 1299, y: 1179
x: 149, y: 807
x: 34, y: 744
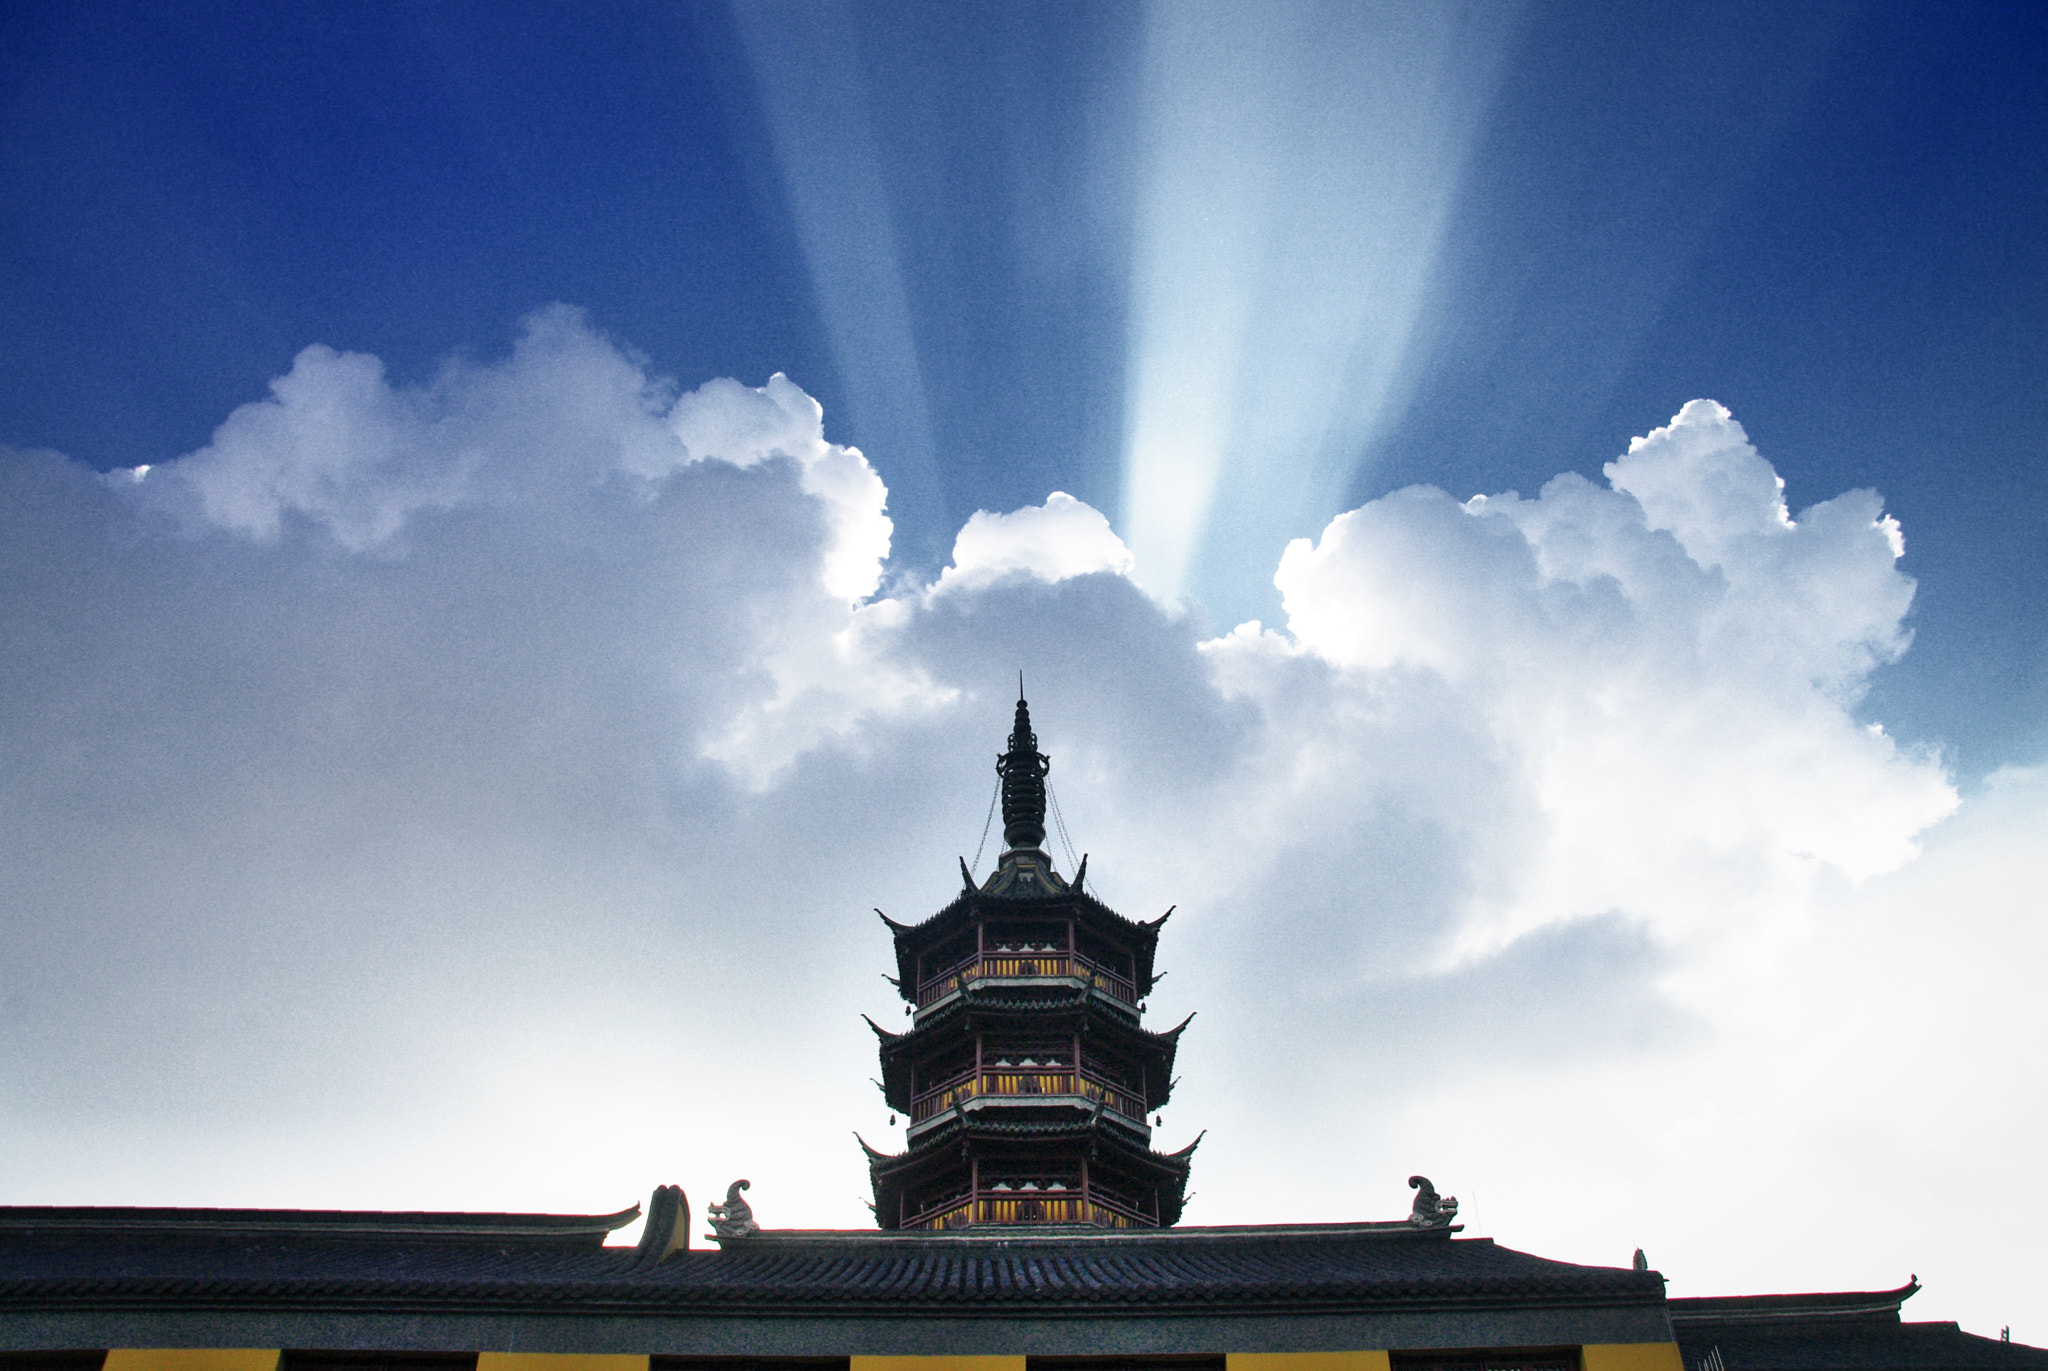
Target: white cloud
x: 542, y: 435
x: 1664, y: 664
x: 831, y: 678
x: 1858, y: 1094
x: 1699, y: 479
x: 531, y: 736
x: 340, y: 447
x: 728, y: 422
x: 1062, y: 537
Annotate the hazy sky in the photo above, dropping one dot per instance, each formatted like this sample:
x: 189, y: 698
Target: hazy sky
x: 519, y: 524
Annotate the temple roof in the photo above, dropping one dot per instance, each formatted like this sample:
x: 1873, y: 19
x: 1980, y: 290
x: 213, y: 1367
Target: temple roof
x: 182, y: 1265
x: 1833, y: 1304
x: 1850, y: 1330
x: 119, y: 1224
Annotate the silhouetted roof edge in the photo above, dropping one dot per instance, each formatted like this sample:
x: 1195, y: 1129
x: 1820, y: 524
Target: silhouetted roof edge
x: 1764, y: 1309
x: 122, y: 1221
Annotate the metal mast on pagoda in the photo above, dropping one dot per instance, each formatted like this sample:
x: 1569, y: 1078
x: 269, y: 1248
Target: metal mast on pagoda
x: 1027, y: 1075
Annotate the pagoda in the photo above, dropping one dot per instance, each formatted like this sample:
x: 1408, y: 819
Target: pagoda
x: 1027, y: 1075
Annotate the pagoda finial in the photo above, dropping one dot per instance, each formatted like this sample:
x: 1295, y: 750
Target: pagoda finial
x: 1023, y: 770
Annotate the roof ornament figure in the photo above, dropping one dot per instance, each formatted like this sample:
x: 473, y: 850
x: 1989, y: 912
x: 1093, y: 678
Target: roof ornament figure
x: 1431, y: 1209
x: 734, y: 1218
x: 1023, y: 770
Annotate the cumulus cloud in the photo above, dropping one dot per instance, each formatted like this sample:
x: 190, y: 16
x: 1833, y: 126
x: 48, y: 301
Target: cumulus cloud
x: 538, y: 733
x: 339, y: 446
x: 1665, y: 664
x: 832, y: 678
x: 1062, y: 537
x: 725, y: 421
x: 336, y: 446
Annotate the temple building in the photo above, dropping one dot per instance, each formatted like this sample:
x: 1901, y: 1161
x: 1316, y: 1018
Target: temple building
x: 1027, y: 1076
x: 1028, y: 1225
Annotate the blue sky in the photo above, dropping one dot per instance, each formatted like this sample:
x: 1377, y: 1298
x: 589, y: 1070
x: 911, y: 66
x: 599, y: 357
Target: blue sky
x: 1827, y: 218
x: 519, y: 524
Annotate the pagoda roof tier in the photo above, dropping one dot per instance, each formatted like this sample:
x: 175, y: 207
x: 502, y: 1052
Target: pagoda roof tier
x: 1139, y: 937
x: 943, y: 1145
x: 996, y: 1001
x: 1096, y: 1017
x: 1043, y: 1115
x: 1108, y: 1144
x: 1052, y: 993
x: 1027, y: 874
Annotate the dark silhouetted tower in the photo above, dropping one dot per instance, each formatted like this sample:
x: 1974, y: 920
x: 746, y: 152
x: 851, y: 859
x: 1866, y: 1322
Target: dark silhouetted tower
x: 1027, y: 1075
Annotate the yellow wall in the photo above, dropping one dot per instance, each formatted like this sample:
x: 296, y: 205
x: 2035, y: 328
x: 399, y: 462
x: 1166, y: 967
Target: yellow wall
x: 1631, y: 1356
x: 1306, y: 1361
x: 243, y: 1359
x: 937, y: 1364
x: 190, y: 1359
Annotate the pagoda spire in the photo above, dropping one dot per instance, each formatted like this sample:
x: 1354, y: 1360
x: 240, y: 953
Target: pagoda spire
x: 1023, y: 770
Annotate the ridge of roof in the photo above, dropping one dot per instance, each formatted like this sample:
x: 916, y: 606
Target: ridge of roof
x: 1055, y: 1234
x: 121, y: 1220
x: 1150, y: 1273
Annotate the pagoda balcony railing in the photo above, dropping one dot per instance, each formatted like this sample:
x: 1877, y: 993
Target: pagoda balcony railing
x: 982, y: 965
x: 1024, y: 1084
x: 991, y: 1206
